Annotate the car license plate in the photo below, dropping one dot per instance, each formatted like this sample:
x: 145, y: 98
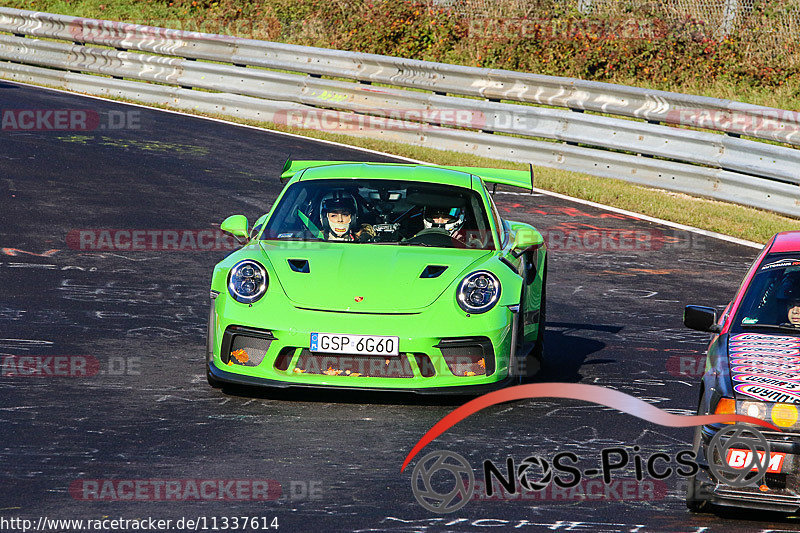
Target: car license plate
x: 355, y: 344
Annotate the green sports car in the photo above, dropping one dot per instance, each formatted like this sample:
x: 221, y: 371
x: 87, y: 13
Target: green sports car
x: 379, y: 276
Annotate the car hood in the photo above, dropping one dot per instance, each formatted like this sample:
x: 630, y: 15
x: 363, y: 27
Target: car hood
x: 364, y: 278
x: 765, y: 367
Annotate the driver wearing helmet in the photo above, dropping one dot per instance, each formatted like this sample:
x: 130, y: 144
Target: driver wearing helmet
x: 448, y: 219
x: 793, y: 312
x: 339, y: 216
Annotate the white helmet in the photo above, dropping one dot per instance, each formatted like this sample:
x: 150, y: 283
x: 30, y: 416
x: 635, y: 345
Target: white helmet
x: 447, y: 218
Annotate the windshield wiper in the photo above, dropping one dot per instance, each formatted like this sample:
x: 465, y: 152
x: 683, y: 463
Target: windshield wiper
x: 793, y: 329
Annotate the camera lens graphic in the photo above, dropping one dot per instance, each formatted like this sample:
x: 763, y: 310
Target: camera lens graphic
x: 442, y: 482
x: 526, y: 470
x: 738, y: 437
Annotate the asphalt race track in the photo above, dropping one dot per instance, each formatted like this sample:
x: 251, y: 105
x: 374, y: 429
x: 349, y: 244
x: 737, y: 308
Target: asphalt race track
x: 145, y: 412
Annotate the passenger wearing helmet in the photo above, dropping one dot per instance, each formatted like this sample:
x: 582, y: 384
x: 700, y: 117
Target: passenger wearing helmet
x: 449, y: 219
x: 339, y: 218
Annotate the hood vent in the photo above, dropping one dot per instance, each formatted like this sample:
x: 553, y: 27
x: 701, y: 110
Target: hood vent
x: 299, y: 265
x: 433, y: 271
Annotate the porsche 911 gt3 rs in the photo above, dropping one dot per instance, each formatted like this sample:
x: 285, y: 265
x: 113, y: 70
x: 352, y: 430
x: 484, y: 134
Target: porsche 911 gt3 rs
x: 380, y: 276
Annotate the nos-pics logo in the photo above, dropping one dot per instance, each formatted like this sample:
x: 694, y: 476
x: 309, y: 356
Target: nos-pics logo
x: 738, y: 456
x: 444, y: 481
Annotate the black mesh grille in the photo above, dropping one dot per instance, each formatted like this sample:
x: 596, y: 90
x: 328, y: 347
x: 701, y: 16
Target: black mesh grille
x: 465, y: 361
x: 248, y: 351
x: 353, y: 365
x: 468, y: 356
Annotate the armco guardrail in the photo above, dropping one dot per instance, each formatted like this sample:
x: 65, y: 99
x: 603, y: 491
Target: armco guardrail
x: 733, y: 169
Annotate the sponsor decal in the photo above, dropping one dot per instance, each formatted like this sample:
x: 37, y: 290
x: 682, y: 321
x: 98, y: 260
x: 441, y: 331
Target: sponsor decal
x: 767, y: 393
x: 758, y: 337
x: 765, y: 344
x: 791, y: 376
x: 766, y: 380
x: 766, y: 367
x: 766, y: 363
x: 783, y: 263
x: 778, y: 358
x: 737, y: 458
x: 760, y: 350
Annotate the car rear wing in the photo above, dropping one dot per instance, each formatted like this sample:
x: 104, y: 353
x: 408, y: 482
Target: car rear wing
x: 496, y: 176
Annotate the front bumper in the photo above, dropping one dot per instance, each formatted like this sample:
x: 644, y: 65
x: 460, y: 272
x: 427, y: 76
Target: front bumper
x: 465, y: 390
x: 280, y: 342
x: 779, y: 492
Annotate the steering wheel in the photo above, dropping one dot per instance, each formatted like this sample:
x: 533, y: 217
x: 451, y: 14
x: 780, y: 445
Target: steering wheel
x: 432, y: 237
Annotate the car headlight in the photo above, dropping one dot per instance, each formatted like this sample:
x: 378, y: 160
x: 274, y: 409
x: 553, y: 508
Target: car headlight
x: 781, y: 414
x: 247, y: 281
x: 478, y: 292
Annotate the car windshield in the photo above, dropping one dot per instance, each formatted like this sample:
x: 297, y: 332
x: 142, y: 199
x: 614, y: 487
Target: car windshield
x: 381, y: 212
x: 772, y: 300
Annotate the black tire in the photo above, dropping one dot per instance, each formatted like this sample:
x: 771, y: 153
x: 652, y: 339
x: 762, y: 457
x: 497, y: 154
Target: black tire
x: 533, y: 359
x: 538, y: 348
x: 697, y: 499
x: 522, y: 362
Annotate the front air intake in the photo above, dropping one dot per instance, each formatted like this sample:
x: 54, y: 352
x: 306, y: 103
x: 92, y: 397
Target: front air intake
x: 245, y: 346
x: 468, y: 356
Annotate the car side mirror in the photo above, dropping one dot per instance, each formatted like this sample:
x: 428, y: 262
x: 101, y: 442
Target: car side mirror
x: 236, y: 225
x: 701, y: 318
x: 526, y: 238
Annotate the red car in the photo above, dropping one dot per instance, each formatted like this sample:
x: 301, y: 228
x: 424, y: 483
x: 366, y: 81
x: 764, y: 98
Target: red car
x: 753, y: 368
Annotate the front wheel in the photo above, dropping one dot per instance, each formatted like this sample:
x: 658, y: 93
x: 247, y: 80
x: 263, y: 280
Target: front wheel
x: 532, y: 361
x: 538, y: 349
